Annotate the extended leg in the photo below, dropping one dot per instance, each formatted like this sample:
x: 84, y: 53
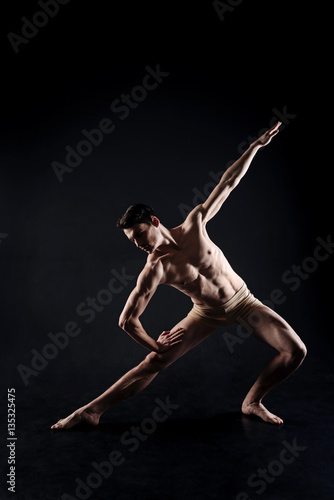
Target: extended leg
x: 138, y: 377
x: 276, y: 332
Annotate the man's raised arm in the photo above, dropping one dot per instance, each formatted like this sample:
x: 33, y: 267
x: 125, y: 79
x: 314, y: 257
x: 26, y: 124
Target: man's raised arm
x: 147, y: 283
x: 233, y: 175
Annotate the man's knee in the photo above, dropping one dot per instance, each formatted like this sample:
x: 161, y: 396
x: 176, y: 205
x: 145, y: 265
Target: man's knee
x: 301, y: 352
x: 296, y: 354
x: 154, y: 362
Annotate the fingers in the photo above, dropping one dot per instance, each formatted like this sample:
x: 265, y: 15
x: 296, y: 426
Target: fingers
x: 173, y: 338
x: 176, y: 342
x: 275, y: 129
x: 277, y: 125
x: 168, y: 332
x: 177, y: 333
x: 272, y: 133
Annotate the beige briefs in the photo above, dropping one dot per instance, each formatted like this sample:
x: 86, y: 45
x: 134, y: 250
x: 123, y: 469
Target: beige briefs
x: 236, y: 308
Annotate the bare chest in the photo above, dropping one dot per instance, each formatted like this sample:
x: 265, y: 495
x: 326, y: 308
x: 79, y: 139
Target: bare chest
x: 187, y: 269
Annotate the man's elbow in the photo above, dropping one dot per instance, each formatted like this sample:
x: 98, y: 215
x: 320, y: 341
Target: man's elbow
x: 122, y: 322
x: 231, y: 183
x: 125, y: 322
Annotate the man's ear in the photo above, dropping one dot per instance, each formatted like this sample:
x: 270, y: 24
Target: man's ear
x: 155, y: 221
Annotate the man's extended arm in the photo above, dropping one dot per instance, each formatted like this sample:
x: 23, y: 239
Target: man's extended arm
x: 147, y: 284
x: 233, y: 175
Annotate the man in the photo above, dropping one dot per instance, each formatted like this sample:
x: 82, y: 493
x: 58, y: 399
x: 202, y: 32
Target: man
x: 184, y: 257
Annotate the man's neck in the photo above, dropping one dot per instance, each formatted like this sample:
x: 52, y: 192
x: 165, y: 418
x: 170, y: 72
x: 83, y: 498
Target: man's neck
x: 168, y: 241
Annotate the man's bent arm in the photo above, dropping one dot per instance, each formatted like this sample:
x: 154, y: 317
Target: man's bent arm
x: 233, y: 175
x: 135, y: 329
x: 147, y: 284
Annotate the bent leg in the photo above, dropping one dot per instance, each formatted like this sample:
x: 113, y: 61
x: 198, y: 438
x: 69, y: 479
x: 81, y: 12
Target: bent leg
x: 139, y: 377
x: 276, y: 332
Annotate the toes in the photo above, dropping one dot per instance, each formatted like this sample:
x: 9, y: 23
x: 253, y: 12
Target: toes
x: 277, y: 420
x: 56, y: 425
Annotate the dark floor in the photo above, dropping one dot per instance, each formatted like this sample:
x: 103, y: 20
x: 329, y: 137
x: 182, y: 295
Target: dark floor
x: 204, y: 448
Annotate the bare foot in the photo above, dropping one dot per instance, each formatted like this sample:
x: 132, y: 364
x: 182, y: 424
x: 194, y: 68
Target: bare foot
x: 258, y: 409
x: 82, y: 415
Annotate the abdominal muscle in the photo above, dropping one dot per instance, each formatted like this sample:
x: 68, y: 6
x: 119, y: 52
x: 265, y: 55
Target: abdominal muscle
x: 204, y: 292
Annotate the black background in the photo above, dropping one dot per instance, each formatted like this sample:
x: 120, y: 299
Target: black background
x: 224, y: 80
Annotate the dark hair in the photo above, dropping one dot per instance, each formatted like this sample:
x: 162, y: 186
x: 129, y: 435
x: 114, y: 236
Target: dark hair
x: 135, y: 214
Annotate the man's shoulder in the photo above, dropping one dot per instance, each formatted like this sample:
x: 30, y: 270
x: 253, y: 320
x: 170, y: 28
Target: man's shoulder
x: 195, y: 217
x: 151, y: 276
x: 153, y: 266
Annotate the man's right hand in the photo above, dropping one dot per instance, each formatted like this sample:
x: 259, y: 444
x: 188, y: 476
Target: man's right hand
x: 167, y: 339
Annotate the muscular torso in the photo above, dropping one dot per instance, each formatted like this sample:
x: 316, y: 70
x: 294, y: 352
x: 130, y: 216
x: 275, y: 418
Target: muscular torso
x: 196, y: 266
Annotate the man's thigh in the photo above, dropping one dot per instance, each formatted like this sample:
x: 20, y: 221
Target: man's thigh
x: 268, y: 326
x: 195, y: 332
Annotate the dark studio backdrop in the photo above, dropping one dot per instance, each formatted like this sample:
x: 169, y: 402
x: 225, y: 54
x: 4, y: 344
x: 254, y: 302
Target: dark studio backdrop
x: 199, y: 81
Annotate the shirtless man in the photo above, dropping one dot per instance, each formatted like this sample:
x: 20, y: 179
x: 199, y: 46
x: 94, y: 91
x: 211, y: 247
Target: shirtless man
x: 184, y: 257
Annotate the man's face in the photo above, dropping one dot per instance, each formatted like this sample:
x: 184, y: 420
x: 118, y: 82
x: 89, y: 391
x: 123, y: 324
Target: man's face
x: 145, y: 236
